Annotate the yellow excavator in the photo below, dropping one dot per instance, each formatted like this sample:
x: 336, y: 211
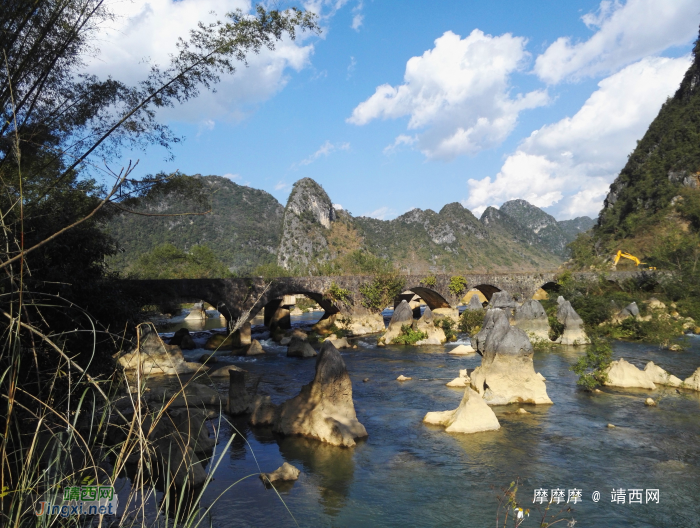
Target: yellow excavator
x: 622, y: 254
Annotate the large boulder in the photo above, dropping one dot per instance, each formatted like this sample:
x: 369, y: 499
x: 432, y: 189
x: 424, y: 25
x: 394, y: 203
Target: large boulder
x: 462, y: 350
x: 300, y: 348
x: 573, y: 334
x: 507, y: 373
x: 183, y: 339
x: 474, y: 303
x: 660, y: 377
x: 403, y: 315
x: 219, y: 342
x: 532, y: 319
x: 323, y: 410
x: 631, y: 310
x: 359, y: 325
x: 191, y: 395
x: 472, y: 416
x: 460, y: 382
x: 286, y: 472
x: 222, y: 372
x: 154, y: 357
x: 620, y: 373
x: 504, y: 301
x: 436, y: 335
x: 255, y: 349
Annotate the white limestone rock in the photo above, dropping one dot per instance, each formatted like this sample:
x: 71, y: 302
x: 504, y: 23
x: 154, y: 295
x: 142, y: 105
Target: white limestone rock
x: 532, y: 319
x: 574, y: 334
x: 286, y: 472
x: 623, y: 374
x: 463, y: 350
x: 660, y: 377
x: 472, y: 416
x: 403, y: 316
x: 693, y: 382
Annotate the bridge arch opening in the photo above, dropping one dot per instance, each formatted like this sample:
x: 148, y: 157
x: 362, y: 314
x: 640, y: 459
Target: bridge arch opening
x: 548, y: 290
x: 487, y: 290
x: 471, y: 293
x: 417, y: 294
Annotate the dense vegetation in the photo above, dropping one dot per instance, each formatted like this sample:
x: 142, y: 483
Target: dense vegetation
x: 168, y: 262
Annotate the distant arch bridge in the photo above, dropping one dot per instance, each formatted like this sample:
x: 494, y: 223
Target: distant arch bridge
x: 234, y: 297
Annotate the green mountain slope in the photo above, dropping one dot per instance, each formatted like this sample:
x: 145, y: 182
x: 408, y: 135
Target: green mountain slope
x: 243, y: 227
x: 554, y: 234
x: 666, y: 160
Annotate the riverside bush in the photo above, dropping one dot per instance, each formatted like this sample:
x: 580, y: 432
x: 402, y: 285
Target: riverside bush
x: 448, y: 326
x: 409, y: 336
x: 471, y: 320
x: 591, y: 366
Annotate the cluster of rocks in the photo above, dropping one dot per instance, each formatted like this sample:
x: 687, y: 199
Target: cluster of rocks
x: 403, y: 316
x: 658, y: 308
x: 239, y: 343
x: 507, y: 373
x: 623, y: 374
x: 323, y: 410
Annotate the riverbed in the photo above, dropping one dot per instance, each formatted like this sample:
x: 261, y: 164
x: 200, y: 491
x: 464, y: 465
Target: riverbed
x: 410, y: 474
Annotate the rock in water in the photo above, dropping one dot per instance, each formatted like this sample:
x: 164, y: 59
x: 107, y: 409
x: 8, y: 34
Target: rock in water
x: 507, y: 373
x: 660, y: 377
x: 462, y: 350
x: 239, y: 400
x: 324, y: 408
x: 183, y: 339
x: 461, y: 382
x: 155, y: 357
x: 504, y: 301
x: 361, y: 324
x: 693, y: 382
x: 532, y: 319
x: 573, y: 324
x: 436, y: 335
x: 472, y: 416
x: 222, y: 372
x: 254, y: 349
x: 474, y: 303
x: 286, y: 472
x: 403, y: 315
x: 403, y: 378
x: 620, y: 373
x: 649, y: 402
x: 300, y: 348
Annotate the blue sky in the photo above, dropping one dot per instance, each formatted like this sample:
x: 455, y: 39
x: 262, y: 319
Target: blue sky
x: 421, y: 103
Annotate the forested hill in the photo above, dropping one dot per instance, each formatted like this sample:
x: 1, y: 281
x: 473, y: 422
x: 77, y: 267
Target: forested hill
x: 248, y: 228
x: 664, y: 165
x: 243, y: 227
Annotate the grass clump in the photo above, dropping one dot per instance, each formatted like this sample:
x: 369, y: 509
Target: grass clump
x: 430, y: 281
x: 336, y: 293
x: 409, y: 336
x: 448, y: 326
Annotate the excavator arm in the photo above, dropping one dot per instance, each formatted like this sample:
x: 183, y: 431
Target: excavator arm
x: 621, y: 254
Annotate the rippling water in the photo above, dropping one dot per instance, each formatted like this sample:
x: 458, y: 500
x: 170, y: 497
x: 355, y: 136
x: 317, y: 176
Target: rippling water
x: 410, y: 474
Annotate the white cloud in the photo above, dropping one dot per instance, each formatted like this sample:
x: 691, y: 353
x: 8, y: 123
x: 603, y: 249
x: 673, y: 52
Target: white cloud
x: 358, y: 17
x: 281, y: 185
x: 381, y: 214
x: 146, y: 33
x: 400, y: 140
x: 232, y: 177
x: 625, y: 33
x: 324, y: 150
x: 458, y: 93
x: 571, y: 163
x: 337, y: 207
x: 351, y: 67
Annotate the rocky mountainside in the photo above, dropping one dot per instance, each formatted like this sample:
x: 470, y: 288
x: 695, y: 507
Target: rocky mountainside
x: 248, y: 227
x: 243, y: 227
x: 552, y: 233
x: 307, y: 220
x: 665, y: 163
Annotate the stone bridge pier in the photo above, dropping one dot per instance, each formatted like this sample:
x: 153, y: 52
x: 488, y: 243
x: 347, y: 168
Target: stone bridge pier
x: 245, y: 297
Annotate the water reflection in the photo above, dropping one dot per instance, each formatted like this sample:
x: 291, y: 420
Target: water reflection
x: 332, y: 468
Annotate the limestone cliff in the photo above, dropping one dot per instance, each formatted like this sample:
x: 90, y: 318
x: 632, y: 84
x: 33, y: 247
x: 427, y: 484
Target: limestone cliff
x: 305, y: 227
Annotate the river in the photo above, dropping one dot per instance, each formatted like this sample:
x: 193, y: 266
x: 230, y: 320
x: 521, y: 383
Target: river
x: 410, y: 474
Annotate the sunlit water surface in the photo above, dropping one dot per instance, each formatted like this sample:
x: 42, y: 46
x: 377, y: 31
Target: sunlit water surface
x: 409, y: 474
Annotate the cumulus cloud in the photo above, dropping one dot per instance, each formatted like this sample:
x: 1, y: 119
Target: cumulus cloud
x: 324, y: 150
x: 281, y: 185
x: 400, y: 141
x: 145, y: 33
x: 458, y: 93
x: 624, y: 33
x: 570, y: 164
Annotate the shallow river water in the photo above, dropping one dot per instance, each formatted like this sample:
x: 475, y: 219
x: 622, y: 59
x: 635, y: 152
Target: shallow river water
x: 409, y: 474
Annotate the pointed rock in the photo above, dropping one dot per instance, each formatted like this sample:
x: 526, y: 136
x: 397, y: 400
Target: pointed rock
x: 660, y: 377
x: 573, y: 334
x: 532, y: 319
x: 621, y: 373
x: 474, y: 303
x: 403, y: 315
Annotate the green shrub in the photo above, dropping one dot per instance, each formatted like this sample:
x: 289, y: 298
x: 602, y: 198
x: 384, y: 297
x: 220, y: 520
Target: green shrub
x: 336, y: 293
x: 381, y: 291
x: 430, y: 281
x: 591, y: 367
x: 556, y: 329
x: 471, y: 320
x: 409, y: 336
x: 458, y: 285
x: 448, y: 326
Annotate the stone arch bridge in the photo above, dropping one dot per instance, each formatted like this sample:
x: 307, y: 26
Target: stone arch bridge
x: 236, y: 297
